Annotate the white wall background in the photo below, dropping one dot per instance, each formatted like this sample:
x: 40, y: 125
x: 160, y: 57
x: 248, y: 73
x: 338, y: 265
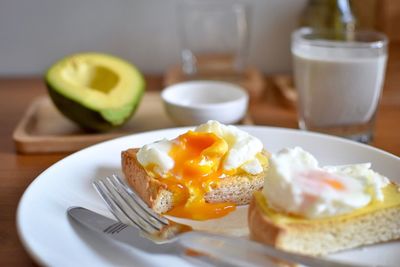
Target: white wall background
x: 35, y: 33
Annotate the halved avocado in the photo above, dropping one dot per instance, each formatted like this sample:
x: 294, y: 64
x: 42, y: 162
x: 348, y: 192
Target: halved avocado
x: 97, y: 91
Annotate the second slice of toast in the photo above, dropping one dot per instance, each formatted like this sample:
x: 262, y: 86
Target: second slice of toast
x: 375, y: 223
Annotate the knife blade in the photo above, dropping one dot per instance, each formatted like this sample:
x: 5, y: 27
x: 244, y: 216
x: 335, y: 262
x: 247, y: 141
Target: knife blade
x: 118, y: 231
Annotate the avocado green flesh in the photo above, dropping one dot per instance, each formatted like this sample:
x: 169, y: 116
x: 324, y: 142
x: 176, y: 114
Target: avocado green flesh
x: 98, y: 92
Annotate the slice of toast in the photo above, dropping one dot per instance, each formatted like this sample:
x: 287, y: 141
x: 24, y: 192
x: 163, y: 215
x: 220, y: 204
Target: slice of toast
x: 375, y: 223
x: 237, y: 189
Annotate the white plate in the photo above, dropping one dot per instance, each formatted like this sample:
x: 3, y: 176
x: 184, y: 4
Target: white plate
x: 52, y: 240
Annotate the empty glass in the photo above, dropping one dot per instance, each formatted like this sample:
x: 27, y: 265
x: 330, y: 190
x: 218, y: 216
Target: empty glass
x: 213, y: 36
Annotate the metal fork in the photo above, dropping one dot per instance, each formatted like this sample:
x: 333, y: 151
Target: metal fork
x: 129, y: 208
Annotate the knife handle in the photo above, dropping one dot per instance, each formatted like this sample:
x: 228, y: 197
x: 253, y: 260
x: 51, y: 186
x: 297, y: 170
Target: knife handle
x: 233, y: 251
x: 214, y: 250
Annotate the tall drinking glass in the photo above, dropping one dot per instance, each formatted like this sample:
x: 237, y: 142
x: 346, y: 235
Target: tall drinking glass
x: 339, y: 79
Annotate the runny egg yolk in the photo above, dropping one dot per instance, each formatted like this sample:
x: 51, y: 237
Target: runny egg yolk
x: 197, y: 167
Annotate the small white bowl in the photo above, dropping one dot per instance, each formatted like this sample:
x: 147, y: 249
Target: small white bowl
x: 196, y: 102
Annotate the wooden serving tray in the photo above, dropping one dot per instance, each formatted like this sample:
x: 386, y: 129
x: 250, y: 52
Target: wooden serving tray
x: 43, y: 129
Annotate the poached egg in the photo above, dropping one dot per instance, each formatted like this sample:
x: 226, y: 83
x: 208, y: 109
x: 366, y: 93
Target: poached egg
x: 297, y: 185
x: 193, y: 163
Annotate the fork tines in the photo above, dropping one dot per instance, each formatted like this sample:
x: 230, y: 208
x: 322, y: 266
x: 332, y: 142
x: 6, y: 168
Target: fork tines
x: 127, y: 206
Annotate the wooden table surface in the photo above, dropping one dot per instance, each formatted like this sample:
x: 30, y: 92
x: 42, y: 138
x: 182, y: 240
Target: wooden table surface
x: 17, y: 171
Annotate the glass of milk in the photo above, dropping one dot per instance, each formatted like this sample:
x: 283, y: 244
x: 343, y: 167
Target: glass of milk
x: 339, y: 79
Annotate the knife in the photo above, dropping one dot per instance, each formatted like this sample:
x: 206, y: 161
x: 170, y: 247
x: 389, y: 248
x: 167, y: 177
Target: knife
x: 200, y: 248
x: 115, y: 230
x: 132, y: 237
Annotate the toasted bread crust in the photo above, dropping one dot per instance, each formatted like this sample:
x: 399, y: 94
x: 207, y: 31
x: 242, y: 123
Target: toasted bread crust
x: 148, y: 188
x: 237, y: 189
x: 326, y: 236
x: 262, y: 229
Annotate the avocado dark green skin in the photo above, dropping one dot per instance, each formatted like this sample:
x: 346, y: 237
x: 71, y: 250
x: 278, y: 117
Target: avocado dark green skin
x: 89, y: 120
